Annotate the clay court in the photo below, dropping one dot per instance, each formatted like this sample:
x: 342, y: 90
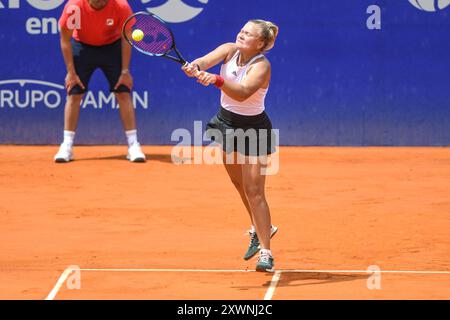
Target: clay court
x: 158, y: 230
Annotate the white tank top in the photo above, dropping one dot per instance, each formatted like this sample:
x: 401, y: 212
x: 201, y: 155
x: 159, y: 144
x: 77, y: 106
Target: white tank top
x: 232, y: 72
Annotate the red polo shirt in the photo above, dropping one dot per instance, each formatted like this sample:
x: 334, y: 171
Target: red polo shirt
x: 95, y: 27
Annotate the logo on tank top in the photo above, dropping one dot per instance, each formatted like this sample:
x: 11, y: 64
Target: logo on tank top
x: 109, y: 22
x: 430, y: 5
x: 176, y: 11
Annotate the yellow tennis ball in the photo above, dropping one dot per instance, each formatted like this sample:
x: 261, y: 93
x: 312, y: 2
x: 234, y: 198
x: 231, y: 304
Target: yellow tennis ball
x: 137, y: 35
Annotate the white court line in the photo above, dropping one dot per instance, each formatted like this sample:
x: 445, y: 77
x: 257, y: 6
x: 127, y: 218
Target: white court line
x: 62, y: 279
x: 273, y: 285
x: 171, y: 270
x: 368, y: 271
x: 269, y: 294
x: 281, y: 271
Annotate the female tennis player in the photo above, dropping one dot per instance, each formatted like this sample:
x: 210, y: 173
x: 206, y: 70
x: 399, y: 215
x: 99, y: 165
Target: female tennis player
x: 244, y: 81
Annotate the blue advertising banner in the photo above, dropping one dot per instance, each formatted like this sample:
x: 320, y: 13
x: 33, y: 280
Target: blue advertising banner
x: 344, y: 73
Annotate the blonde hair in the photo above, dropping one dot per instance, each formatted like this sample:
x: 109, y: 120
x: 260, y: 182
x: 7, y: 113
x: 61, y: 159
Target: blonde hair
x: 269, y: 32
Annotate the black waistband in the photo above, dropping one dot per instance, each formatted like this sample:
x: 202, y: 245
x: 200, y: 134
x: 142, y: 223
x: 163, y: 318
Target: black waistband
x: 239, y: 118
x: 112, y: 44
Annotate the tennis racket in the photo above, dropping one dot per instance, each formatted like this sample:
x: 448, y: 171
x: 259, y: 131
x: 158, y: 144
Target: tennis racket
x: 154, y: 36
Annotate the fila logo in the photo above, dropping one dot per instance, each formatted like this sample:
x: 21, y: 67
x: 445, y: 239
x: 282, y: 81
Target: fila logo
x: 109, y: 22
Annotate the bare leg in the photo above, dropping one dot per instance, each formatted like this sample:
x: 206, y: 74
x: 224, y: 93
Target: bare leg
x: 127, y: 113
x: 72, y: 112
x: 254, y: 184
x: 234, y: 171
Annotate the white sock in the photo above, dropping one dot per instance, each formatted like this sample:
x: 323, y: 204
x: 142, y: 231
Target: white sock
x: 266, y: 251
x: 69, y: 136
x: 131, y: 137
x: 252, y: 228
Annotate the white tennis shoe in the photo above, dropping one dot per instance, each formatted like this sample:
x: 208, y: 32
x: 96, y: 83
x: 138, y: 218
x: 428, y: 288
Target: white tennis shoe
x: 254, y: 245
x: 135, y: 153
x: 64, y: 154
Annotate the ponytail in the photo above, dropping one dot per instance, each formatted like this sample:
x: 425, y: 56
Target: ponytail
x: 269, y: 33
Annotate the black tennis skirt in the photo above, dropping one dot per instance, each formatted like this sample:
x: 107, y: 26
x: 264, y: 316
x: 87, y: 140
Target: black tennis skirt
x: 248, y: 135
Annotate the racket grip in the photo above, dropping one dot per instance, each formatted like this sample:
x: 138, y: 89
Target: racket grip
x: 197, y: 71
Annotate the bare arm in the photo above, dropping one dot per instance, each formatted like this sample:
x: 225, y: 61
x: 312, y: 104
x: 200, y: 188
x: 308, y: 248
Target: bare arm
x: 126, y: 53
x: 66, y: 48
x: 72, y: 78
x: 257, y: 77
x: 210, y: 60
x: 214, y: 57
x: 125, y: 77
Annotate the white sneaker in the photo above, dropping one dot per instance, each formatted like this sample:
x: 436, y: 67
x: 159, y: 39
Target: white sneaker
x: 135, y: 153
x: 265, y: 262
x: 254, y: 245
x: 273, y: 230
x: 64, y: 153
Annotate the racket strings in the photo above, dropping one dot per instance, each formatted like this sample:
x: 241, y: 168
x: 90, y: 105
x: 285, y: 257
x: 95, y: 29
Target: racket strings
x: 157, y: 37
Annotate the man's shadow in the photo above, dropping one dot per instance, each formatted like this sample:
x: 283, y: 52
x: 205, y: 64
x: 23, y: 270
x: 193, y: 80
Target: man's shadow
x: 150, y: 157
x: 289, y: 279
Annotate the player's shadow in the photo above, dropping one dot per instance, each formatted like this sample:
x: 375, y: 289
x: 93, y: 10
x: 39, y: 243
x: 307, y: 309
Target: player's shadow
x: 150, y: 157
x: 299, y: 279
